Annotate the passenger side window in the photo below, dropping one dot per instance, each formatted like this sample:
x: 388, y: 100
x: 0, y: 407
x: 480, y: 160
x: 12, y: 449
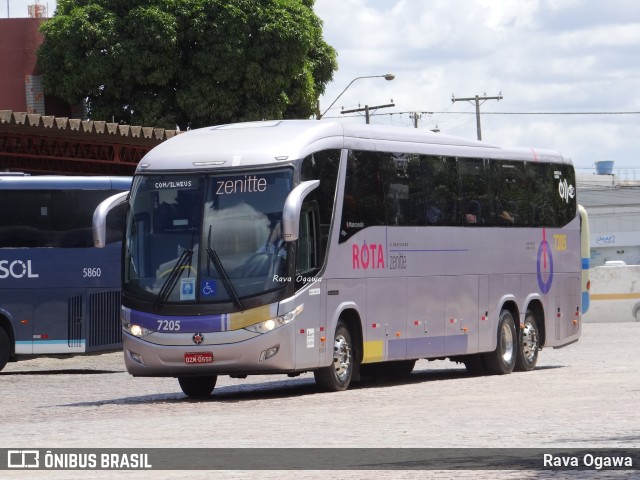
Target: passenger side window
x: 512, y: 199
x: 476, y: 197
x: 363, y: 204
x: 438, y: 194
x: 308, y: 262
x: 322, y: 166
x: 396, y: 186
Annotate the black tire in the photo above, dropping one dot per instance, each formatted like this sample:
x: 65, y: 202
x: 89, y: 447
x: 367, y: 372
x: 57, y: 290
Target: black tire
x: 475, y: 365
x: 337, y: 376
x: 5, y: 348
x: 197, y: 387
x: 528, y: 344
x: 503, y: 359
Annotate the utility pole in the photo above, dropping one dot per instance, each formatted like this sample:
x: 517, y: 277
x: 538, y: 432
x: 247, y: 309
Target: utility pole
x: 478, y: 101
x: 415, y: 117
x: 367, y: 108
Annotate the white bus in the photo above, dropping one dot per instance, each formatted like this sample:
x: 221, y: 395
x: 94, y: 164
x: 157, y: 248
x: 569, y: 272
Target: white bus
x: 345, y: 250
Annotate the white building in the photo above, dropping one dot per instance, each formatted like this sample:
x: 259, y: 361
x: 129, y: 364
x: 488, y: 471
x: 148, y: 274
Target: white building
x: 613, y: 206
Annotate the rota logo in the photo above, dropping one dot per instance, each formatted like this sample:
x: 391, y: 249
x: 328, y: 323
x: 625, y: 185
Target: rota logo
x: 16, y: 269
x: 367, y: 256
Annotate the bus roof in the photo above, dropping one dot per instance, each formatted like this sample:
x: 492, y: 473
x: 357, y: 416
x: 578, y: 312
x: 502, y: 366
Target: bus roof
x: 62, y: 182
x: 267, y: 142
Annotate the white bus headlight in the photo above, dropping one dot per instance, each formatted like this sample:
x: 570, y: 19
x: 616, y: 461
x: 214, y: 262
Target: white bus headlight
x: 276, y: 322
x: 132, y: 328
x: 136, y: 330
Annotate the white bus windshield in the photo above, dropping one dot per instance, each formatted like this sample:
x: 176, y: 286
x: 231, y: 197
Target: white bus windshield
x: 206, y: 239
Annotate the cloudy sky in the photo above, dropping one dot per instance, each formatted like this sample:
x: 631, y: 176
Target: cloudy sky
x: 575, y: 63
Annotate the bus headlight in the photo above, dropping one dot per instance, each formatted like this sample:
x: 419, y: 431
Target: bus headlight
x: 132, y: 328
x: 136, y: 330
x: 276, y: 322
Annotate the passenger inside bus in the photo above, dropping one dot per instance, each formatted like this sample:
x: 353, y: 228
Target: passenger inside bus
x: 473, y: 212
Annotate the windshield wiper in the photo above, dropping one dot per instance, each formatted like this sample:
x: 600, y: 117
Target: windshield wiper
x: 226, y: 281
x: 183, y: 260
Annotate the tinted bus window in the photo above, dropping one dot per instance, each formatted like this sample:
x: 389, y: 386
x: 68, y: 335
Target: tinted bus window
x: 564, y: 194
x: 540, y: 177
x: 552, y: 194
x: 52, y: 218
x: 512, y: 197
x: 363, y: 204
x: 438, y: 190
x: 477, y: 199
x: 322, y: 166
x: 395, y: 183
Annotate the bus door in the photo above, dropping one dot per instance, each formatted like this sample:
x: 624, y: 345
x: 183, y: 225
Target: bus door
x: 311, y: 326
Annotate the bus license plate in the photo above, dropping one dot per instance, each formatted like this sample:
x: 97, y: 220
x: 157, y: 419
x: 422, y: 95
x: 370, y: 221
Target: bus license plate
x: 196, y: 358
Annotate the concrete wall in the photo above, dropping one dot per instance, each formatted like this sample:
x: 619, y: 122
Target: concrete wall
x: 615, y: 291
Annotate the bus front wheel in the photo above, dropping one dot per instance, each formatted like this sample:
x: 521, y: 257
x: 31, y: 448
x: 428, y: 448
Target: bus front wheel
x: 528, y: 345
x: 197, y: 387
x: 503, y: 359
x: 337, y: 376
x: 5, y: 348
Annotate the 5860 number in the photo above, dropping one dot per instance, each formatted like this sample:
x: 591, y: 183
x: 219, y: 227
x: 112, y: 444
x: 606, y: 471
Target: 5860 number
x: 92, y: 272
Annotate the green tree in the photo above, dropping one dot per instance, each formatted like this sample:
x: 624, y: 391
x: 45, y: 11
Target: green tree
x: 189, y: 63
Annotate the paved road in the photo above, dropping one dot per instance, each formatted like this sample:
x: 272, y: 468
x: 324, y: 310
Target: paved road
x: 583, y: 396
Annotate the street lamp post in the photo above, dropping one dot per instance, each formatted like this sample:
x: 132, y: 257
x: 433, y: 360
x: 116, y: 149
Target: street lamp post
x: 387, y: 76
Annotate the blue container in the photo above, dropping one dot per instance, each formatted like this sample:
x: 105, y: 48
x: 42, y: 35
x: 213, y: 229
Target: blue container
x: 604, y: 167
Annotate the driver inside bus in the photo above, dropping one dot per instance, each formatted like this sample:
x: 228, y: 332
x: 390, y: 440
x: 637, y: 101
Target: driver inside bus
x: 275, y: 243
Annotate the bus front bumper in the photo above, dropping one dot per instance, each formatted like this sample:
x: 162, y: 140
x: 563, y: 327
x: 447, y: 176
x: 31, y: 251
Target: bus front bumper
x: 273, y: 352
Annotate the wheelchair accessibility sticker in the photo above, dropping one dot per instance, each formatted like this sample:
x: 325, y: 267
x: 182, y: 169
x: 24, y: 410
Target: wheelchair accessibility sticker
x: 207, y: 288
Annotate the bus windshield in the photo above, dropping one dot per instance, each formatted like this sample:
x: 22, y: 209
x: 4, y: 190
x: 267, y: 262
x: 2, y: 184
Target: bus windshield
x: 206, y: 239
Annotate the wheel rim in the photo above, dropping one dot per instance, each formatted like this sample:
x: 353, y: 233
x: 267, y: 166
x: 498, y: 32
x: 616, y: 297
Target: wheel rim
x: 529, y: 341
x: 506, y: 340
x: 341, y: 358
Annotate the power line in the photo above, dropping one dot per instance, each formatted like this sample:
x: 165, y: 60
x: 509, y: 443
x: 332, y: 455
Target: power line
x: 367, y: 109
x: 552, y: 113
x: 449, y: 112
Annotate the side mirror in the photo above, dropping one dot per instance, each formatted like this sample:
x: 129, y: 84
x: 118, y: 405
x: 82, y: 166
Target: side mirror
x: 99, y: 226
x: 292, y: 208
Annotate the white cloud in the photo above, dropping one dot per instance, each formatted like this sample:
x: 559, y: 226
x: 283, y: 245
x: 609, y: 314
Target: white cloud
x: 543, y: 55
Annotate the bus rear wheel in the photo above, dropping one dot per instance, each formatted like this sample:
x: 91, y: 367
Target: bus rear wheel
x: 337, y: 376
x: 503, y: 359
x: 528, y: 345
x: 198, y: 387
x: 5, y: 348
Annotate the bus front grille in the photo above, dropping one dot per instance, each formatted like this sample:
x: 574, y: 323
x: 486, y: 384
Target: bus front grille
x: 104, y: 321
